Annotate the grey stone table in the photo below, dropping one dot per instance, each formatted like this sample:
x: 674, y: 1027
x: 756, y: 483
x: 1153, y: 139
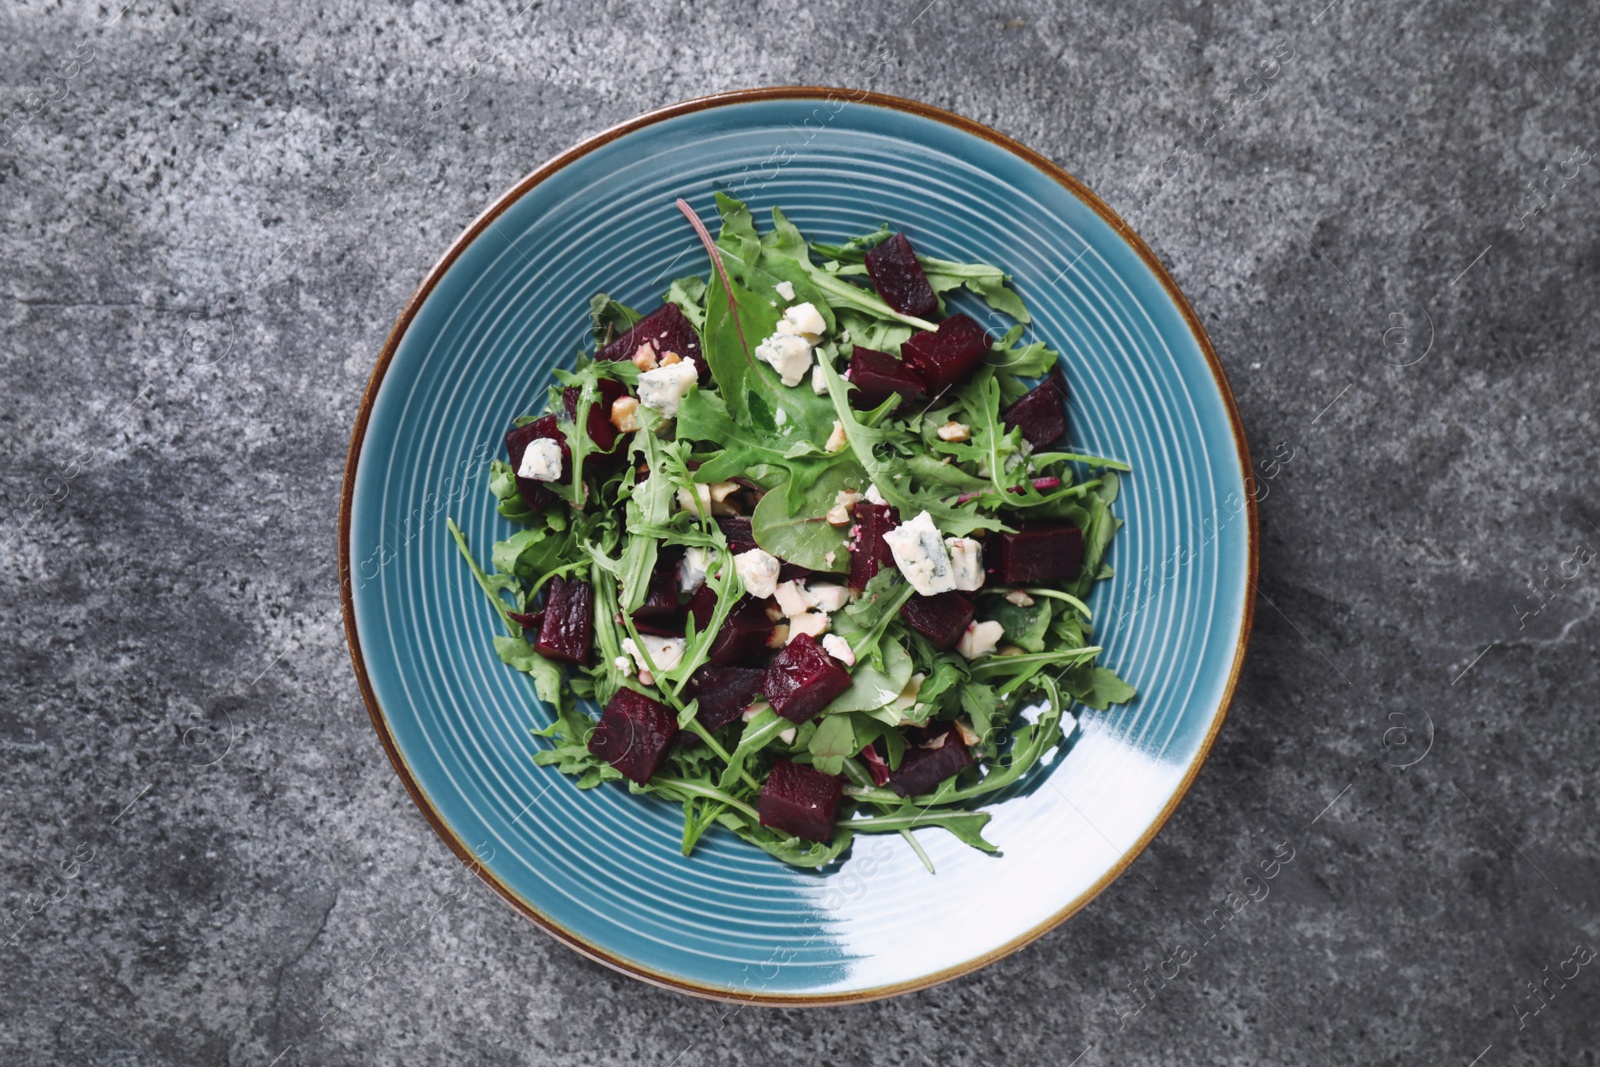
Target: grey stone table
x: 210, y: 214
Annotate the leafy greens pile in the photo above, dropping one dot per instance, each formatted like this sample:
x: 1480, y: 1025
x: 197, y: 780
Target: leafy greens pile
x: 786, y: 456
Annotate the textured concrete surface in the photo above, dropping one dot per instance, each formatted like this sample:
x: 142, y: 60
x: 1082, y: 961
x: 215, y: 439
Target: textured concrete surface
x: 211, y: 213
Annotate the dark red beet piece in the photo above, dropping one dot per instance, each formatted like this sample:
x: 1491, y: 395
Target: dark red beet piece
x: 869, y: 553
x: 1041, y: 414
x: 667, y: 330
x: 803, y: 679
x: 661, y: 601
x: 567, y: 630
x: 724, y: 693
x: 736, y: 528
x: 898, y: 277
x: 800, y: 801
x: 742, y: 640
x: 1038, y: 552
x: 672, y: 627
x: 530, y: 621
x: 633, y: 734
x: 947, y: 356
x: 533, y: 493
x: 923, y: 769
x: 942, y: 619
x: 878, y: 375
x: 602, y: 431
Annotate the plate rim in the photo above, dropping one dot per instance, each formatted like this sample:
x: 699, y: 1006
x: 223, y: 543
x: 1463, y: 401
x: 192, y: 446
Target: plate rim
x: 413, y: 305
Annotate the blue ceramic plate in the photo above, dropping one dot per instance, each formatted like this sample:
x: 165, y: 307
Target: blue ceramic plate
x: 508, y: 303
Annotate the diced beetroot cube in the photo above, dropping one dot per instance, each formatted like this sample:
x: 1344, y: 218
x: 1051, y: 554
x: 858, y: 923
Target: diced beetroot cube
x: 661, y: 601
x: 800, y: 801
x: 672, y: 627
x: 742, y: 641
x: 1037, y: 552
x: 942, y: 619
x: 633, y: 734
x: 898, y: 277
x: 869, y: 552
x: 877, y: 375
x: 948, y: 355
x: 724, y: 693
x: 534, y: 493
x: 666, y: 330
x: 923, y: 769
x: 567, y: 630
x: 803, y: 679
x: 736, y: 528
x: 602, y: 431
x: 1041, y: 414
x: 875, y: 765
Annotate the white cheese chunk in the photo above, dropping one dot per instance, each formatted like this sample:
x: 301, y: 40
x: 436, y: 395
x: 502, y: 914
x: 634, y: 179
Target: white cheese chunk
x: 980, y: 639
x: 828, y: 598
x: 698, y: 501
x: 819, y: 381
x: 664, y: 387
x: 758, y: 571
x: 839, y: 649
x: 873, y: 496
x: 785, y: 289
x: 792, y: 598
x: 1020, y: 599
x: 814, y: 623
x: 804, y: 320
x: 692, y: 569
x: 542, y: 460
x: 966, y: 560
x: 954, y: 431
x: 665, y: 652
x: 920, y: 554
x: 790, y: 356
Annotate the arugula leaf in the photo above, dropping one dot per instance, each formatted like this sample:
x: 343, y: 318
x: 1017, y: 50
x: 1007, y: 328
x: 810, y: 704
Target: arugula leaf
x: 966, y: 825
x: 1024, y: 627
x: 834, y: 740
x: 689, y: 294
x: 609, y: 318
x: 956, y: 521
x: 989, y: 714
x: 802, y: 534
x: 1033, y: 360
x: 869, y: 331
x: 537, y: 551
x: 988, y: 282
x: 854, y: 250
x: 492, y: 586
x: 1099, y: 687
x: 759, y: 732
x: 791, y: 850
x: 649, y: 505
x: 870, y: 687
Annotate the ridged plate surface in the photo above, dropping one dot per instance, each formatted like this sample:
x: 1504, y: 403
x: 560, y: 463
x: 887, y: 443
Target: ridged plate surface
x: 601, y: 869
